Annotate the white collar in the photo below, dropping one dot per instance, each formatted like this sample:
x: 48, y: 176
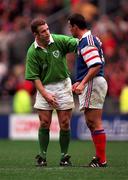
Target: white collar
x: 37, y: 45
x: 86, y: 34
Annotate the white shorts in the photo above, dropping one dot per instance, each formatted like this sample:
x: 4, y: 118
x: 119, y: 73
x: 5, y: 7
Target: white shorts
x: 94, y: 94
x: 63, y: 93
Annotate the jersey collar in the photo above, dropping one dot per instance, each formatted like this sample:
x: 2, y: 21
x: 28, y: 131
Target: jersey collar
x: 85, y: 34
x: 37, y: 45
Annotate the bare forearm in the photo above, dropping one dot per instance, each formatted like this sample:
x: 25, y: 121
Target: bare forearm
x: 91, y: 74
x: 39, y: 86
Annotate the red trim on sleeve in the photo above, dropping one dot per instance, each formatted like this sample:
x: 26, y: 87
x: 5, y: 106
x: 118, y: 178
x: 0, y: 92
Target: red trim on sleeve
x: 94, y: 49
x: 93, y: 57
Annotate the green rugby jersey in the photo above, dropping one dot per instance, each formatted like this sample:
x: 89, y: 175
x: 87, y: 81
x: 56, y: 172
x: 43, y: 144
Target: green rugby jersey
x: 49, y: 65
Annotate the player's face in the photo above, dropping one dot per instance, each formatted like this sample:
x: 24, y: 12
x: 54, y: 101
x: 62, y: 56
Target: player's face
x: 73, y: 30
x: 43, y: 34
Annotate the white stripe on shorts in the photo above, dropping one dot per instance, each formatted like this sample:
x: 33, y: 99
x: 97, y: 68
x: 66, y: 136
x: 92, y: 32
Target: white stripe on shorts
x: 94, y: 94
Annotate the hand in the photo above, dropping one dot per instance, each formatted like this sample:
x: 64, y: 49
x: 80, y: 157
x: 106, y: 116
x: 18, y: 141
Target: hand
x: 74, y: 86
x: 79, y: 89
x: 51, y: 99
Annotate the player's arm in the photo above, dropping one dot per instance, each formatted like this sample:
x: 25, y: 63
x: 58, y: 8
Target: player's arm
x: 90, y: 75
x: 72, y: 45
x: 69, y: 44
x: 92, y: 59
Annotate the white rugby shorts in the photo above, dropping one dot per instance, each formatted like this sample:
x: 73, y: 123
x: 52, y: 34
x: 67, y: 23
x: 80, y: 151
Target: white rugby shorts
x: 63, y: 93
x: 94, y: 94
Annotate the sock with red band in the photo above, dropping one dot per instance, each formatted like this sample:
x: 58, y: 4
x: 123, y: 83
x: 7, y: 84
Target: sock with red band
x: 99, y: 139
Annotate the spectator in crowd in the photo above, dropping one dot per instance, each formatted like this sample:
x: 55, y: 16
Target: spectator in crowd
x: 20, y: 42
x: 123, y: 100
x: 22, y: 102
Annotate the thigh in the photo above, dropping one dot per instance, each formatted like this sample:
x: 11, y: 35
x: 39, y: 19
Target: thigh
x: 45, y: 117
x: 65, y: 96
x: 64, y: 117
x: 94, y: 94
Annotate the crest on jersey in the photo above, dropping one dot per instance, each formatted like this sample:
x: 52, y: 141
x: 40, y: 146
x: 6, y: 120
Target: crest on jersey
x: 56, y: 53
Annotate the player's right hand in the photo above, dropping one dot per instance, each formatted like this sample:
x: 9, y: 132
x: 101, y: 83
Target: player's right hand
x: 74, y: 86
x: 51, y: 99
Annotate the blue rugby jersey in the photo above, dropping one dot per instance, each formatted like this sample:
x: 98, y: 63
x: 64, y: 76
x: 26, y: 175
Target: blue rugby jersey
x: 89, y: 54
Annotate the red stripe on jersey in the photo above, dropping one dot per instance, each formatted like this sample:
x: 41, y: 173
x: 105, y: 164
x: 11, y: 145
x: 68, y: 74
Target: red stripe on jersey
x: 93, y: 57
x: 94, y: 49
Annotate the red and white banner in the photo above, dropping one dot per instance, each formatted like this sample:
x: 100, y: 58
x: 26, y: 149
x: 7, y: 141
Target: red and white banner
x: 26, y: 127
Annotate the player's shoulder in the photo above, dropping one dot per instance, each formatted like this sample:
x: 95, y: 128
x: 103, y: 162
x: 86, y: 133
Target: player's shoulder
x: 97, y: 40
x: 61, y: 37
x: 57, y: 36
x: 83, y: 42
x: 31, y: 49
x: 90, y: 40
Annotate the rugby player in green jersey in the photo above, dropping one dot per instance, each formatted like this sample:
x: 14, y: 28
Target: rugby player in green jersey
x: 46, y: 67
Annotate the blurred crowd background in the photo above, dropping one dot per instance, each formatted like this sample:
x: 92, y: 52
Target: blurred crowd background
x: 108, y: 19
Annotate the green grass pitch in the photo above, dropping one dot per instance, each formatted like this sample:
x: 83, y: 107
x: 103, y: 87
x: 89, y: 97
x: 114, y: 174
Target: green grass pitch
x: 17, y: 162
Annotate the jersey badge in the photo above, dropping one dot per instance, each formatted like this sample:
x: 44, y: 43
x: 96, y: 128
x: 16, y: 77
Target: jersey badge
x: 56, y: 53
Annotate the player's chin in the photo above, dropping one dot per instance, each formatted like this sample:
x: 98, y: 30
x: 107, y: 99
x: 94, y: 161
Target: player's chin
x: 47, y: 39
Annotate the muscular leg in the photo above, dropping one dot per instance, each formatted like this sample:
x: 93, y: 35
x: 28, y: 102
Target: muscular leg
x: 94, y: 119
x: 64, y: 122
x: 43, y: 133
x: 94, y: 123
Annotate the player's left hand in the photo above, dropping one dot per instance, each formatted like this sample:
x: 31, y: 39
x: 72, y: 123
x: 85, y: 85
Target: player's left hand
x: 79, y: 89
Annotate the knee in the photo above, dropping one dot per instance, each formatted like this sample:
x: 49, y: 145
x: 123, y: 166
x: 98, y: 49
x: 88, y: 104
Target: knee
x: 44, y: 124
x: 91, y: 125
x: 64, y: 125
x: 94, y: 124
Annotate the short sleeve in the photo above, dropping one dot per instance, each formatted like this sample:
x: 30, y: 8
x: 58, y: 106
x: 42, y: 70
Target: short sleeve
x: 91, y: 55
x: 32, y: 67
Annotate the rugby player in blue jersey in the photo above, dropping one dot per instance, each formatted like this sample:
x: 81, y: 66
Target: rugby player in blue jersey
x: 90, y: 85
